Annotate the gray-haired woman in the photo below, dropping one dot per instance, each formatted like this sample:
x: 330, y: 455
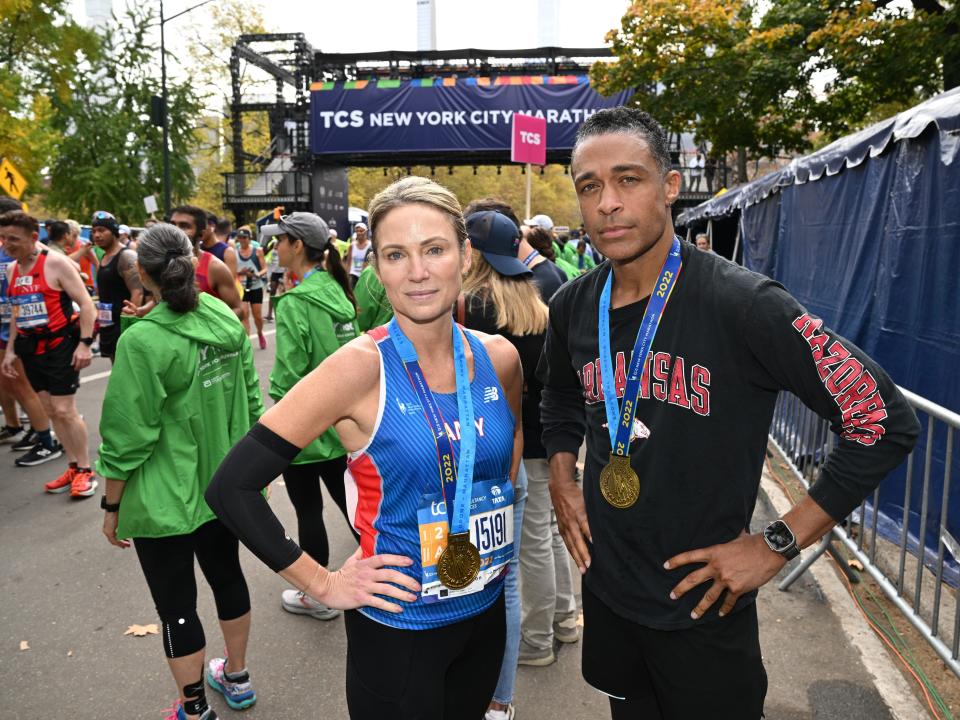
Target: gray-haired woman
x: 183, y: 390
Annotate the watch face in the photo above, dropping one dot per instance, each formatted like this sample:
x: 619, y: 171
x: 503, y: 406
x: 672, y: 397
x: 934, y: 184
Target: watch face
x: 778, y: 535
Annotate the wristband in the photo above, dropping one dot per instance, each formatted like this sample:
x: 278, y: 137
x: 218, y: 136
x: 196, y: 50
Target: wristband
x: 104, y: 505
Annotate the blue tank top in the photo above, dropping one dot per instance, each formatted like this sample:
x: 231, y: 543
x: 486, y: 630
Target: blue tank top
x: 388, y: 479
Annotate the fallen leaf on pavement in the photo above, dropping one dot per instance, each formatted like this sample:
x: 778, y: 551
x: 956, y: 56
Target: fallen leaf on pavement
x: 69, y: 653
x: 141, y: 630
x: 24, y: 645
x: 855, y: 564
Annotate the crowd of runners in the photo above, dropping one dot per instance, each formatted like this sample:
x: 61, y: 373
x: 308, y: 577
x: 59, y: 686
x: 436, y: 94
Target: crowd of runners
x: 441, y: 373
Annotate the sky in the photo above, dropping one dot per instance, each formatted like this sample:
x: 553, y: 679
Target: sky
x: 372, y: 25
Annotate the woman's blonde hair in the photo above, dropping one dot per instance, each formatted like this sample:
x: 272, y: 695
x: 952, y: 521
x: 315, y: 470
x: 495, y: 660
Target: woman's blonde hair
x: 519, y: 308
x: 420, y: 190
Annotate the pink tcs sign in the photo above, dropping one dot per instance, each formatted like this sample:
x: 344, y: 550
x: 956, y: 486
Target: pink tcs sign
x: 529, y: 140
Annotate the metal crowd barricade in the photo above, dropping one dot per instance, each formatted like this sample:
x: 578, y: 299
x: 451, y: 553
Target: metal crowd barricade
x: 804, y: 440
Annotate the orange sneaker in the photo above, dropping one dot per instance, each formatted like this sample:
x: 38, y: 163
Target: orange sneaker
x: 62, y: 483
x: 84, y: 484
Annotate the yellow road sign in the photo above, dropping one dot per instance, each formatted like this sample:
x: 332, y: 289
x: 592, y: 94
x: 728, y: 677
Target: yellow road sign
x: 11, y: 181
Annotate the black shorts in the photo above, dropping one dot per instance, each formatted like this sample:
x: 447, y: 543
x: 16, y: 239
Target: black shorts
x: 108, y: 340
x: 445, y: 673
x: 712, y: 670
x: 254, y: 297
x: 52, y: 371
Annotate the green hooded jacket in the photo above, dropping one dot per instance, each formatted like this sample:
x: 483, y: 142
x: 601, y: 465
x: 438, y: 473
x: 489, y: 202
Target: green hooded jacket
x: 375, y: 309
x: 183, y: 391
x: 313, y: 320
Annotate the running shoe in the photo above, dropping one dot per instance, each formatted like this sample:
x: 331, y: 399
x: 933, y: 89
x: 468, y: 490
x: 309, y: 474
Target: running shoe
x: 535, y: 657
x: 26, y: 442
x: 507, y: 714
x: 299, y: 603
x: 84, y: 484
x: 12, y: 436
x: 566, y: 631
x: 238, y: 692
x: 263, y: 341
x: 38, y: 455
x: 176, y: 713
x: 62, y: 483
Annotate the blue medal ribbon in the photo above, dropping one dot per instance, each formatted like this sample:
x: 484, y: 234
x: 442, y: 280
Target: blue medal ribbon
x: 460, y: 473
x: 620, y: 419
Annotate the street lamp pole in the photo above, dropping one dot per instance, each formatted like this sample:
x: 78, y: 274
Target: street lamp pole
x: 166, y: 118
x: 163, y: 92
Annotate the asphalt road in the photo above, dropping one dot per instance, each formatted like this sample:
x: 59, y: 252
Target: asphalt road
x: 70, y: 596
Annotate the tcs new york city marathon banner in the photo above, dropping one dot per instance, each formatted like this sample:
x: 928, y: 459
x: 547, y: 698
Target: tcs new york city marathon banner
x: 447, y: 114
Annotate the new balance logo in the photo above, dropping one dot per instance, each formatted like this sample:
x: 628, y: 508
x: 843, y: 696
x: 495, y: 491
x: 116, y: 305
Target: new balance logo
x: 491, y: 394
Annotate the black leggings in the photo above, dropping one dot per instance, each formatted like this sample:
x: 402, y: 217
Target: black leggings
x: 446, y: 673
x: 167, y: 564
x: 303, y: 487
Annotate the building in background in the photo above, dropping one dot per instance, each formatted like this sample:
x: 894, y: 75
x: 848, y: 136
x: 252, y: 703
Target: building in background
x: 99, y: 12
x: 548, y: 23
x: 426, y: 24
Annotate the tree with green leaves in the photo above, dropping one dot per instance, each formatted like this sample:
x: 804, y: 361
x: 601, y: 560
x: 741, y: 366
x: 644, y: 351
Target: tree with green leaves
x: 34, y: 73
x: 111, y: 155
x: 744, y: 75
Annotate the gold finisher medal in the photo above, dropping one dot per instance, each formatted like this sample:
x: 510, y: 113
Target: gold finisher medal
x: 618, y: 482
x: 459, y: 562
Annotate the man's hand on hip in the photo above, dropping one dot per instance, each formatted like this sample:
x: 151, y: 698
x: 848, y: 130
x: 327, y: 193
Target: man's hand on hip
x: 571, y: 511
x: 736, y: 567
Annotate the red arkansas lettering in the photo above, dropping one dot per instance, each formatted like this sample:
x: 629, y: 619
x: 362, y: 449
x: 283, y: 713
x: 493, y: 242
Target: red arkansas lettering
x: 678, y: 385
x: 700, y: 387
x: 661, y: 372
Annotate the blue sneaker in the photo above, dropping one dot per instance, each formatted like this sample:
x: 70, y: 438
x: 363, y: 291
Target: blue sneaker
x: 238, y: 692
x: 177, y: 713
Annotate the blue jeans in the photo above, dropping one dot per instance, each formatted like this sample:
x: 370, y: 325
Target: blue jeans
x: 511, y: 593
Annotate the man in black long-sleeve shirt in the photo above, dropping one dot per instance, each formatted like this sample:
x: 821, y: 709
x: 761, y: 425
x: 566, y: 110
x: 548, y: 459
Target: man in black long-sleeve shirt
x: 670, y: 581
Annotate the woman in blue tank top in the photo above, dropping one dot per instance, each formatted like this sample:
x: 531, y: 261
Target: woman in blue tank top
x: 430, y: 416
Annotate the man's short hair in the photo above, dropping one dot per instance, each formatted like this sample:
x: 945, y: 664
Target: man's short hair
x: 57, y: 231
x: 224, y: 226
x: 212, y: 219
x: 8, y: 203
x: 494, y: 204
x: 199, y: 215
x: 18, y: 218
x: 632, y: 121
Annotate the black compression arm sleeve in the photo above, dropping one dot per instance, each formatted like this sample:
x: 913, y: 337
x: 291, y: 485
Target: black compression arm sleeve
x: 235, y: 495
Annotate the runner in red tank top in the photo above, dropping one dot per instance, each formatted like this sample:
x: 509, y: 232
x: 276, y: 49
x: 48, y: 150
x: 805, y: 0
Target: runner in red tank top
x: 203, y: 273
x: 213, y: 276
x: 52, y: 345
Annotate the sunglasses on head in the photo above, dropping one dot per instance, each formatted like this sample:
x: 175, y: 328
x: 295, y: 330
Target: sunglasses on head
x: 103, y: 215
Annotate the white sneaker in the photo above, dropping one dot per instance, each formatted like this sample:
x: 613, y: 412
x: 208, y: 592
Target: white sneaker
x: 300, y: 603
x: 507, y: 714
x: 566, y: 631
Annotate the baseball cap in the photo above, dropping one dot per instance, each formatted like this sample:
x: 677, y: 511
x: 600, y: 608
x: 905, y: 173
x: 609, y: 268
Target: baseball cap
x: 497, y: 239
x: 305, y: 226
x: 124, y: 229
x: 543, y: 221
x: 360, y: 226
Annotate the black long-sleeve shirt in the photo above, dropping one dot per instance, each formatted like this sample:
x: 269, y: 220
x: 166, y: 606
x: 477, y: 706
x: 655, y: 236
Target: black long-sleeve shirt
x: 729, y: 341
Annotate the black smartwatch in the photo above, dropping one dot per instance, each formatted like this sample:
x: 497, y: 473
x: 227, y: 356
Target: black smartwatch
x: 780, y: 538
x: 104, y: 505
x: 88, y: 341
